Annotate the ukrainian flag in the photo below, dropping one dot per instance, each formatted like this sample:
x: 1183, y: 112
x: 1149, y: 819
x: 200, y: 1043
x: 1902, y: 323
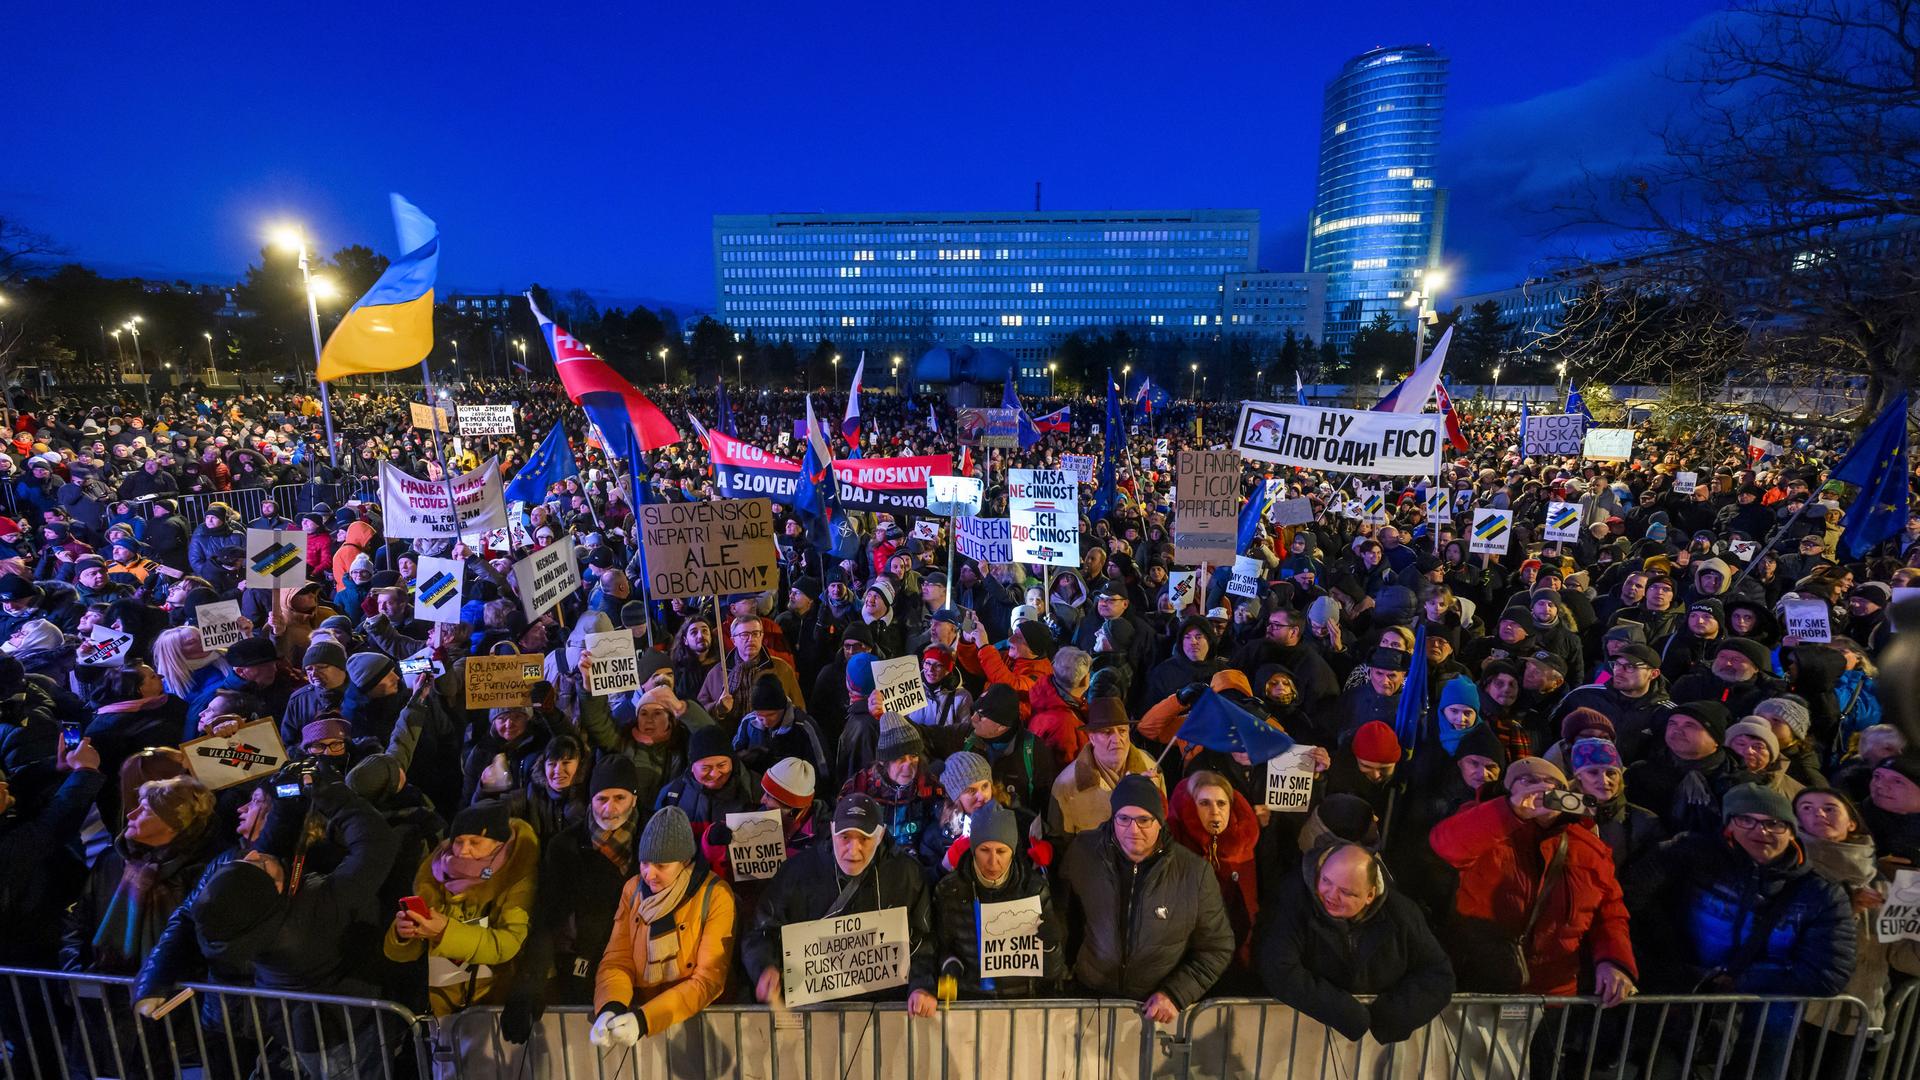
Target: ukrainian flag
x: 392, y: 326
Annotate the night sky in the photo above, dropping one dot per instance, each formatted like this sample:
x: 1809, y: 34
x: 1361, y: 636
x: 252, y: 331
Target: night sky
x: 589, y: 145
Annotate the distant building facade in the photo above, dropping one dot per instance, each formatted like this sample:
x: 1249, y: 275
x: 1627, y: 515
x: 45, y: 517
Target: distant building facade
x: 1263, y: 305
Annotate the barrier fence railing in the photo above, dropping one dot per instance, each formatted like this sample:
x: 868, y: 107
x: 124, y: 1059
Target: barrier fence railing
x: 57, y: 1026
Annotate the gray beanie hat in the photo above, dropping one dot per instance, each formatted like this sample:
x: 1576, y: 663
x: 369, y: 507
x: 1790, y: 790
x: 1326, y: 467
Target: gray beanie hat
x: 375, y: 778
x: 898, y: 739
x: 963, y: 770
x: 667, y: 838
x: 324, y: 652
x: 1754, y: 799
x: 1789, y: 709
x: 367, y: 669
x: 993, y: 823
x: 1324, y: 610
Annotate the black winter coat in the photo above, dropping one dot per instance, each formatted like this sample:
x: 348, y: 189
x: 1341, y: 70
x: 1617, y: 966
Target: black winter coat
x: 1136, y: 929
x: 40, y: 871
x: 957, y: 925
x: 805, y: 889
x: 572, y: 918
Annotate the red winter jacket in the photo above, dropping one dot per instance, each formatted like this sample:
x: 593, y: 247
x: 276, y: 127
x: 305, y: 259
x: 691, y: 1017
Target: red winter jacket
x: 1059, y: 723
x: 1501, y: 860
x: 1230, y: 854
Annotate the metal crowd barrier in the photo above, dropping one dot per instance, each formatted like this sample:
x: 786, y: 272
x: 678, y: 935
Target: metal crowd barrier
x: 1899, y: 1056
x: 59, y: 1026
x: 290, y: 500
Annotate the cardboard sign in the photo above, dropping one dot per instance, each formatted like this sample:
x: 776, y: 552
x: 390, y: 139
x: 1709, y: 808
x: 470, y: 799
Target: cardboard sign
x: 954, y: 496
x: 1206, y: 505
x: 417, y: 509
x: 1553, y: 435
x: 545, y: 577
x: 984, y: 540
x: 1009, y: 936
x: 220, y: 624
x: 1043, y: 517
x: 437, y: 589
x: 926, y: 530
x: 1899, y: 918
x: 1291, y: 512
x: 1492, y: 531
x: 1808, y: 620
x: 759, y: 845
x: 276, y: 558
x: 1341, y: 440
x: 1608, y: 444
x: 486, y: 420
x: 717, y: 547
x: 1080, y: 465
x: 1290, y: 780
x: 608, y: 662
x: 424, y: 417
x: 497, y: 681
x: 1563, y: 521
x: 221, y: 761
x: 104, y: 647
x: 899, y: 685
x: 1684, y: 483
x: 1245, y: 580
x: 844, y: 956
x: 1180, y: 586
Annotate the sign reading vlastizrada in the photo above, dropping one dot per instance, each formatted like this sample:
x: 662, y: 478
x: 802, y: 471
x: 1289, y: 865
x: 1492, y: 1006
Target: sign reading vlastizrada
x: 1341, y: 440
x: 1043, y: 515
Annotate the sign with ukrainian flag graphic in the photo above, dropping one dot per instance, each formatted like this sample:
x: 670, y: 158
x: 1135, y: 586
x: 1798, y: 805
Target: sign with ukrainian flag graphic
x: 1373, y: 506
x: 276, y: 558
x: 1563, y: 521
x: 1492, y: 531
x: 436, y: 591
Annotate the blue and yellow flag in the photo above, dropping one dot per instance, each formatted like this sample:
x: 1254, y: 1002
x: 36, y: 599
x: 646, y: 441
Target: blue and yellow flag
x: 392, y: 326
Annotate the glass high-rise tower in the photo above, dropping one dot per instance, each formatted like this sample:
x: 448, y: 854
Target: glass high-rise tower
x: 1377, y: 216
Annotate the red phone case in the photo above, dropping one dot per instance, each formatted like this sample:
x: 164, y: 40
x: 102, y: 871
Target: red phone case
x: 414, y: 905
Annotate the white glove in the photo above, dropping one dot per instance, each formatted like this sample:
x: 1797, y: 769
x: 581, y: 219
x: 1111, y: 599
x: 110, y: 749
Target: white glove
x: 624, y: 1030
x: 600, y: 1036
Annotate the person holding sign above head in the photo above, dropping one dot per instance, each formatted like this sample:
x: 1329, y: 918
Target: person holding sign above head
x: 997, y: 868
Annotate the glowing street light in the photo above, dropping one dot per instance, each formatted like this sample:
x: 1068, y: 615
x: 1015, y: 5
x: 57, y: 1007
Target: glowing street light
x: 737, y: 377
x: 294, y: 239
x: 1193, y: 388
x: 1051, y: 366
x: 1125, y: 370
x: 836, y: 373
x: 213, y: 366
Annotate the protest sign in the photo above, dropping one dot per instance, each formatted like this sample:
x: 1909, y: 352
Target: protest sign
x: 1808, y: 620
x: 1608, y: 444
x: 1439, y: 502
x: 759, y: 844
x: 954, y: 496
x: 984, y: 540
x: 926, y: 530
x: 424, y: 417
x: 416, y: 509
x: 899, y: 685
x: 1373, y: 507
x: 1043, y: 516
x: 1563, y: 521
x: 1291, y: 511
x: 436, y: 597
x: 715, y: 547
x: 486, y: 420
x: 1290, y: 780
x: 1245, y: 580
x: 843, y: 956
x: 545, y: 577
x: 1744, y: 550
x: 1553, y: 434
x: 1080, y: 465
x: 495, y: 682
x: 104, y: 647
x: 987, y: 427
x: 220, y: 624
x: 1009, y: 936
x: 608, y: 662
x: 221, y: 761
x: 1901, y: 593
x: 893, y: 485
x: 743, y: 471
x: 1684, y: 483
x: 1180, y: 586
x: 1492, y: 531
x: 276, y: 558
x: 1341, y: 440
x: 1206, y: 506
x: 1899, y: 918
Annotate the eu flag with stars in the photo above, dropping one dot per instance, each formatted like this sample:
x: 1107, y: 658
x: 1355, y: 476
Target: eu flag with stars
x: 1413, y: 695
x: 1259, y: 503
x: 550, y: 463
x: 1113, y: 440
x: 1877, y: 465
x: 1219, y: 724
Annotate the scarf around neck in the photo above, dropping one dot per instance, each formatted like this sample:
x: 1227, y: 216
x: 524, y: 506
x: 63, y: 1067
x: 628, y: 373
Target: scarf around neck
x: 458, y: 875
x: 663, y: 933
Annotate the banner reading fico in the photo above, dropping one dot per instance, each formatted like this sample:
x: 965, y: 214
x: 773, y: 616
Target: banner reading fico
x: 1341, y: 440
x: 417, y: 509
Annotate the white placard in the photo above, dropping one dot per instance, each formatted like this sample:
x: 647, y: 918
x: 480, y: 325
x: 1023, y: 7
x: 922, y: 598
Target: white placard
x: 954, y: 496
x: 1684, y: 483
x: 1563, y: 521
x: 1807, y: 620
x: 759, y: 845
x: 1180, y: 586
x: 609, y: 664
x: 1245, y: 580
x: 984, y: 540
x: 1290, y: 780
x: 844, y: 956
x: 545, y: 577
x: 104, y: 647
x: 437, y: 589
x: 276, y: 558
x: 220, y: 625
x: 1043, y: 516
x: 899, y: 684
x: 1373, y: 506
x: 1341, y: 440
x: 417, y: 509
x: 925, y: 530
x: 1492, y: 531
x: 1553, y: 434
x: 1744, y: 550
x: 1080, y: 465
x: 1899, y: 918
x: 486, y: 420
x: 1607, y: 444
x: 221, y: 761
x: 1291, y: 511
x: 1009, y: 936
x: 1439, y: 502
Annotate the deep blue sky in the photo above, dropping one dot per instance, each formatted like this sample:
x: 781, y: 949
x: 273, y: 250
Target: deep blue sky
x: 589, y: 145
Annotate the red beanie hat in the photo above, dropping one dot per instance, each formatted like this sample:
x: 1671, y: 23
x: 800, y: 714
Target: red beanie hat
x: 1376, y: 743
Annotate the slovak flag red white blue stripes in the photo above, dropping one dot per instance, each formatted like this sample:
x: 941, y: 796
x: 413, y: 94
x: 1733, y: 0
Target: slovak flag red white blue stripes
x: 1057, y: 422
x: 850, y: 424
x: 1444, y: 400
x: 594, y: 386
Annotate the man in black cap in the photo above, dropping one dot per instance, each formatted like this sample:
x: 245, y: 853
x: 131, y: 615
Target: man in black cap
x: 1684, y: 779
x: 1110, y: 602
x: 1377, y: 697
x: 325, y: 665
x: 1634, y: 698
x: 1144, y: 915
x: 1739, y: 677
x: 858, y: 872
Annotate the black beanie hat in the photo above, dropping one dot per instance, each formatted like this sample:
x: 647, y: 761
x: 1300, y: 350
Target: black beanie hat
x: 235, y: 898
x: 1709, y: 714
x: 1001, y: 703
x: 1038, y: 638
x: 1137, y: 791
x: 490, y: 818
x: 613, y: 771
x: 1480, y: 739
x: 709, y: 741
x: 768, y: 693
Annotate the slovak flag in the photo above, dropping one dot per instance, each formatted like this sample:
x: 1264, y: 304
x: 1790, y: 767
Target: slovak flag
x: 850, y: 424
x: 609, y: 400
x: 1445, y: 400
x: 1057, y: 422
x: 1759, y: 449
x: 1143, y: 397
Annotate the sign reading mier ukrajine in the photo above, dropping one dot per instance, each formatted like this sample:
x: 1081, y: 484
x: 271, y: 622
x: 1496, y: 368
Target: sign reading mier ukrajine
x: 486, y: 420
x: 1492, y: 531
x: 1009, y: 937
x: 545, y: 577
x: 1206, y: 506
x: 844, y: 956
x: 1563, y: 521
x: 984, y: 540
x: 1290, y: 780
x: 1341, y: 440
x: 1553, y: 434
x: 276, y: 558
x: 1043, y: 516
x: 709, y: 548
x: 613, y: 668
x: 759, y: 845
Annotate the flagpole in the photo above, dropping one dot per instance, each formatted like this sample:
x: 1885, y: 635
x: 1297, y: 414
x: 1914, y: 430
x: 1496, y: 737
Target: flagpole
x: 439, y: 451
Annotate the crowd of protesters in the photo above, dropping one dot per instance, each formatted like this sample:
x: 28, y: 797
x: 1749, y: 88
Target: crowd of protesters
x: 1626, y: 775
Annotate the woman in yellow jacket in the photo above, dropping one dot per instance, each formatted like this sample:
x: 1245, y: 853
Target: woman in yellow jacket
x: 477, y: 890
x: 672, y: 942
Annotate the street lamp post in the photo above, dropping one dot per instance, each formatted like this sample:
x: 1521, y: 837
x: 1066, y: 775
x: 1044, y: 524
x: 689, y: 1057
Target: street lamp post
x: 896, y: 374
x: 121, y: 349
x: 1193, y: 388
x: 664, y: 378
x: 738, y: 379
x: 1496, y: 382
x: 297, y: 241
x: 1125, y: 370
x: 213, y: 366
x: 1421, y: 301
x: 1380, y: 376
x: 1562, y: 369
x: 836, y: 373
x: 146, y: 385
x: 1051, y: 366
